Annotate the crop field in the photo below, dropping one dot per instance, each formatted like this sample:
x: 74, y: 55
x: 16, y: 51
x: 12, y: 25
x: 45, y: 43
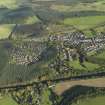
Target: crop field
x: 99, y: 100
x: 85, y: 22
x: 7, y: 100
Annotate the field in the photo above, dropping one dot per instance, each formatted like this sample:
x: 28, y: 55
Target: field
x: 85, y: 22
x: 101, y: 55
x: 7, y: 100
x: 8, y: 3
x: 28, y: 56
x: 46, y: 100
x: 31, y: 20
x: 95, y: 6
x: 5, y: 30
x: 93, y: 101
x: 88, y: 66
x: 60, y: 88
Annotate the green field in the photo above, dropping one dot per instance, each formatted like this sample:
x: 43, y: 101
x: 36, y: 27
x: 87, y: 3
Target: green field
x: 101, y: 55
x: 5, y: 30
x: 95, y: 6
x: 45, y: 99
x: 7, y: 100
x: 9, y: 3
x: 31, y: 20
x: 85, y: 22
x: 88, y: 66
x: 93, y: 101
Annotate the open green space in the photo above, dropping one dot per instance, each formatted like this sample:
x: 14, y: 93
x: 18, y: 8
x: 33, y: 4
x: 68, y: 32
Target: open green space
x: 31, y: 20
x: 7, y: 100
x: 101, y: 55
x: 85, y: 22
x: 46, y: 95
x: 20, y: 19
x: 9, y: 3
x: 94, y: 6
x: 92, y: 101
x: 5, y: 30
x: 87, y: 65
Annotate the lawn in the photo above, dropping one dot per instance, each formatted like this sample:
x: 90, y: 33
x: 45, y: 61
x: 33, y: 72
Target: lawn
x: 93, y: 101
x: 7, y: 100
x: 5, y: 30
x: 85, y: 22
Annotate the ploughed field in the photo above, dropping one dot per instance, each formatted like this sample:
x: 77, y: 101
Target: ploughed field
x: 60, y: 88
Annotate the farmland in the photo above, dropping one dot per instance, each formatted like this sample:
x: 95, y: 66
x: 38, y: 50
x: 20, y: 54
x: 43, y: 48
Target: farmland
x: 63, y: 86
x: 95, y: 6
x: 5, y: 31
x: 52, y: 52
x: 85, y: 22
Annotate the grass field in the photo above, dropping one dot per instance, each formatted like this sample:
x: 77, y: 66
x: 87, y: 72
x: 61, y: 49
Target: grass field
x: 101, y: 55
x: 85, y: 22
x: 3, y: 58
x: 6, y: 100
x: 5, y: 30
x: 93, y: 101
x: 8, y: 3
x: 88, y: 66
x: 95, y: 6
x: 45, y: 99
x: 31, y: 20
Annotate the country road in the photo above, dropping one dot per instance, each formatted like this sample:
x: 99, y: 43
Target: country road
x: 63, y: 86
